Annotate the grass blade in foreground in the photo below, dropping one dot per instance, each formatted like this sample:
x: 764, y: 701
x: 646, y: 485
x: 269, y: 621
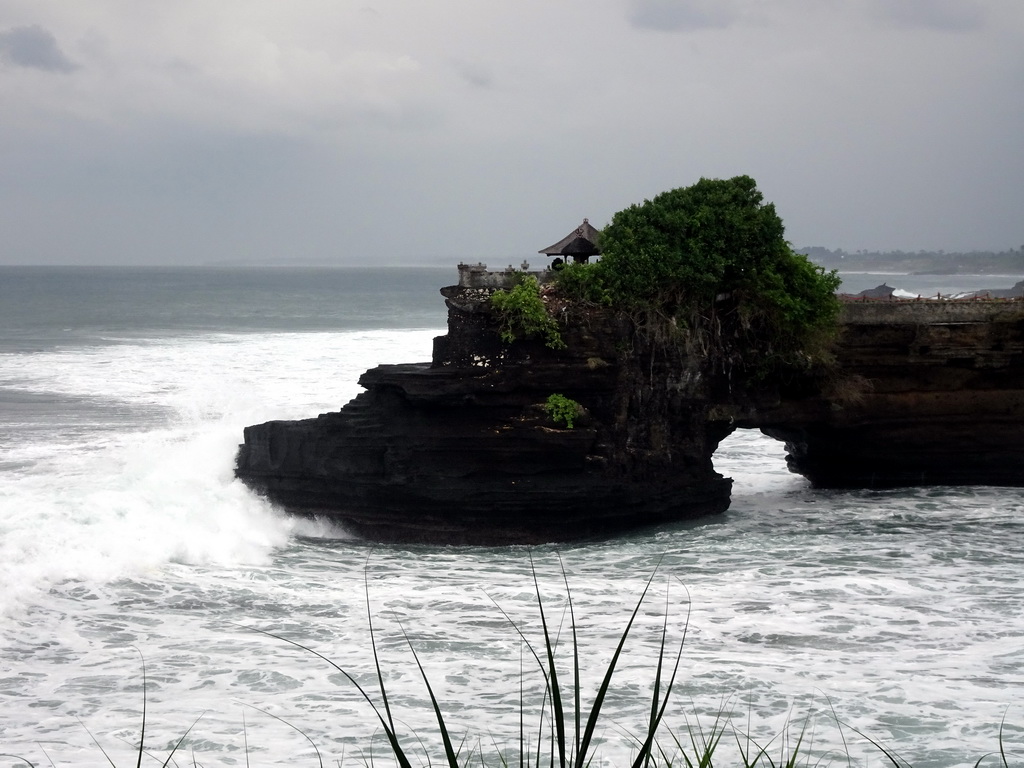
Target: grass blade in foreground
x: 595, y: 710
x: 658, y: 712
x: 556, y: 694
x: 449, y: 751
x: 294, y: 728
x: 396, y: 748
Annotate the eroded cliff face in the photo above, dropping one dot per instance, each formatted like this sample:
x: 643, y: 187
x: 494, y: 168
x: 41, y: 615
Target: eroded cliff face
x: 926, y: 393
x: 460, y: 450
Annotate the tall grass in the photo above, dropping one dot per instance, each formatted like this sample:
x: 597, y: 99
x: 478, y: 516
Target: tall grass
x: 566, y: 730
x: 564, y: 723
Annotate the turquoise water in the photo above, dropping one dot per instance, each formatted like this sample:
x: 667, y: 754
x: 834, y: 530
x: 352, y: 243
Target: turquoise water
x: 123, y: 395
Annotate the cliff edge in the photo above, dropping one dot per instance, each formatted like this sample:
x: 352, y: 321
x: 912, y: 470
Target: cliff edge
x: 461, y: 450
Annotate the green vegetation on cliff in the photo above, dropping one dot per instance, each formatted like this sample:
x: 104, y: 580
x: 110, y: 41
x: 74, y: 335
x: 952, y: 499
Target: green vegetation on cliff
x: 711, y: 259
x: 522, y: 314
x: 562, y: 410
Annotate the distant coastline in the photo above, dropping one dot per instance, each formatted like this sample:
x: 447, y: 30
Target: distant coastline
x: 995, y: 263
x: 988, y: 263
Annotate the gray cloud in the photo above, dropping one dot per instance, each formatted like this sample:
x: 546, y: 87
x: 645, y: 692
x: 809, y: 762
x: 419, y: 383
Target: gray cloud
x: 945, y: 15
x: 35, y: 48
x: 475, y: 74
x: 408, y: 134
x: 681, y: 15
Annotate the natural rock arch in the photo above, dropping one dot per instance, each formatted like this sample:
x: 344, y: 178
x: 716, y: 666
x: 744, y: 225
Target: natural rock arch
x: 459, y: 450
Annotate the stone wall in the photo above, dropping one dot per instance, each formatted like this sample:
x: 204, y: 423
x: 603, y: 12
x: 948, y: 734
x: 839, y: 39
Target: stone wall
x: 924, y: 311
x: 478, y: 276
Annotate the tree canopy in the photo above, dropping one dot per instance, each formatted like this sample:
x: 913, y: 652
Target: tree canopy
x: 716, y: 249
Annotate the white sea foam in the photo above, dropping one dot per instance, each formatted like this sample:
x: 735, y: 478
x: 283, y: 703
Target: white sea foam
x: 901, y: 608
x: 148, y: 480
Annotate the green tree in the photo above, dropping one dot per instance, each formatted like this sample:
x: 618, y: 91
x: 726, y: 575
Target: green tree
x: 583, y: 284
x: 713, y: 257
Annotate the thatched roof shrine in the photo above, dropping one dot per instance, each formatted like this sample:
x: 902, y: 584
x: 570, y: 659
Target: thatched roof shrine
x: 580, y: 244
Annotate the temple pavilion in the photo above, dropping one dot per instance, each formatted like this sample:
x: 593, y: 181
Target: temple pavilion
x: 580, y: 244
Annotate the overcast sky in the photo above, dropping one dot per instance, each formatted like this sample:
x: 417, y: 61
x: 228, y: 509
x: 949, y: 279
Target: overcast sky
x: 406, y: 131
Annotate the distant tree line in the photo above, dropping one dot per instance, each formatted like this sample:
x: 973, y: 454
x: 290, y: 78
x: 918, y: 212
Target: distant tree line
x: 922, y: 262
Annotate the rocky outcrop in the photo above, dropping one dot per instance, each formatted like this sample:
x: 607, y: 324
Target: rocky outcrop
x: 461, y: 450
x: 926, y: 393
x: 1016, y: 292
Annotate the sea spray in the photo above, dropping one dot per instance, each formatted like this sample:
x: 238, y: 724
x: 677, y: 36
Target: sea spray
x: 99, y: 493
x: 120, y: 526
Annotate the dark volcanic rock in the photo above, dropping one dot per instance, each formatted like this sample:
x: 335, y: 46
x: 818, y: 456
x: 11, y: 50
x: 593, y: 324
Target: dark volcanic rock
x: 928, y: 393
x: 882, y: 291
x: 460, y: 450
x: 1015, y: 292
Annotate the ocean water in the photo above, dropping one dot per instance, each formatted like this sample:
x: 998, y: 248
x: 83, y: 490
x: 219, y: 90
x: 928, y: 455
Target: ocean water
x: 126, y: 544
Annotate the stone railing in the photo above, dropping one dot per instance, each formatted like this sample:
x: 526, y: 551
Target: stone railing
x: 478, y: 276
